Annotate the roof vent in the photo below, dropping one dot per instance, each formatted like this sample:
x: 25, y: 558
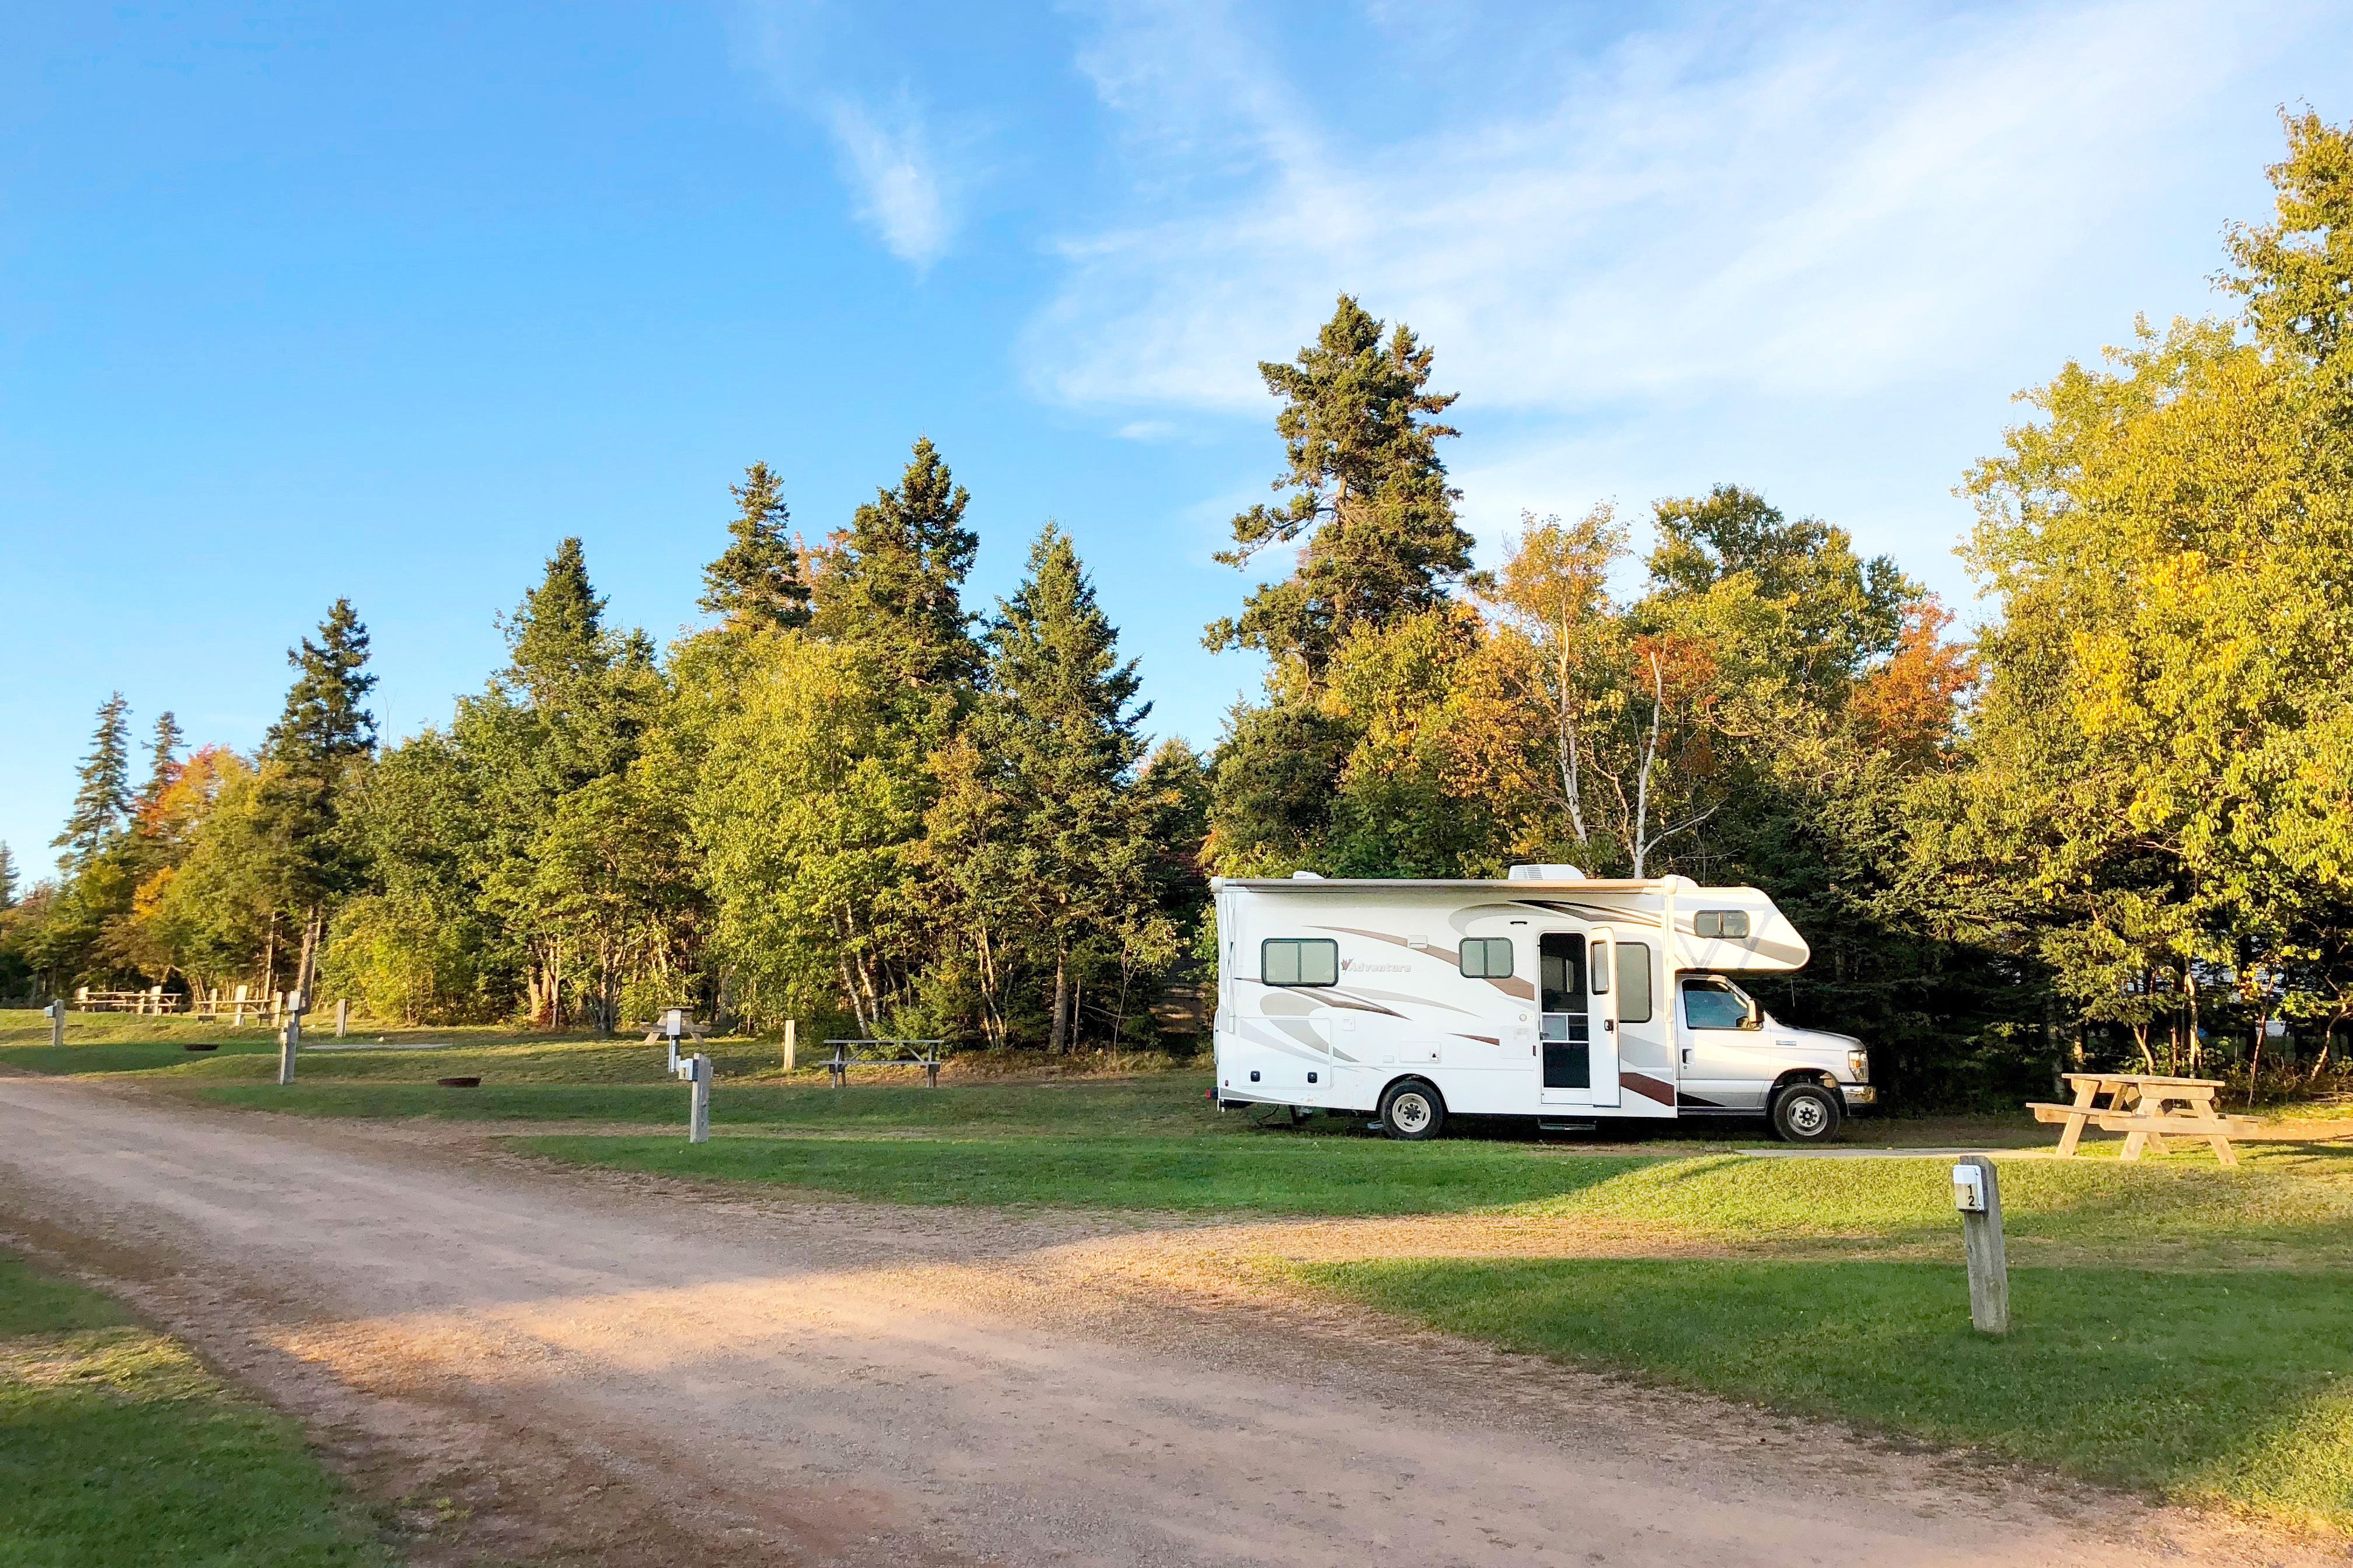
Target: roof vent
x: 1547, y: 874
x: 1307, y: 875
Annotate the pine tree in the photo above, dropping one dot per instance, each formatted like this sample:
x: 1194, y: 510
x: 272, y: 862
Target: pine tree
x: 8, y: 878
x: 308, y: 759
x: 557, y: 640
x: 102, y: 800
x: 162, y: 766
x: 756, y: 581
x: 1360, y: 432
x: 894, y: 578
x: 1056, y: 732
x: 324, y: 722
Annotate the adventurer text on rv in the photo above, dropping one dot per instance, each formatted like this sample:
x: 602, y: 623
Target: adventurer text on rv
x: 1548, y: 995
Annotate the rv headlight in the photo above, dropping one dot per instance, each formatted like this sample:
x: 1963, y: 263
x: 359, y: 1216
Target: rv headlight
x: 1858, y: 1065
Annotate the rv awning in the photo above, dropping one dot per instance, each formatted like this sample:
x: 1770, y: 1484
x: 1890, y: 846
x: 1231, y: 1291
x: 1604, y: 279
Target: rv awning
x: 1437, y: 884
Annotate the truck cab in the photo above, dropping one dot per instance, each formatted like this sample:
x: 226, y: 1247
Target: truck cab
x: 1734, y: 1059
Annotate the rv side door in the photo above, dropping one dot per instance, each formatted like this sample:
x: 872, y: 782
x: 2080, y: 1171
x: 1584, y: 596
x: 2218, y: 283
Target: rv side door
x: 1601, y: 962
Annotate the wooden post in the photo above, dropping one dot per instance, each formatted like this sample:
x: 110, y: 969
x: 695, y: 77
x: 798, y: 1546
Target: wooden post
x: 698, y: 1118
x: 342, y: 1016
x: 791, y: 1030
x: 57, y: 1023
x: 1981, y: 1237
x: 289, y: 1040
x: 240, y: 1022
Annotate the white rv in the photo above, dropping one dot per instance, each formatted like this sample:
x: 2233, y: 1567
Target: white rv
x: 1548, y: 995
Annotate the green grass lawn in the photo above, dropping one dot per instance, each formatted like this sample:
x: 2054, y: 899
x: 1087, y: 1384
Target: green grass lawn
x: 2283, y: 1205
x: 2231, y: 1387
x: 117, y: 1447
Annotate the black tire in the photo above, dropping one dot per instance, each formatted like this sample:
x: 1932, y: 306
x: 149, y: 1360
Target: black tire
x: 1412, y: 1111
x: 1807, y: 1113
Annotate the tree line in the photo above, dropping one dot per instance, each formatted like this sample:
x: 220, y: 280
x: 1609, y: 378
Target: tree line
x: 2113, y: 822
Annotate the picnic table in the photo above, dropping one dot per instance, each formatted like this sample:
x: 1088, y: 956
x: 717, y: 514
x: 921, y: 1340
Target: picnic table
x: 924, y: 1054
x: 2137, y: 1107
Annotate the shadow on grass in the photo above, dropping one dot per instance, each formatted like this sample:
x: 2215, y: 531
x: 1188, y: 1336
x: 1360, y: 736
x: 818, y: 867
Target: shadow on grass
x: 1271, y: 1176
x: 2233, y: 1387
x: 1144, y: 1106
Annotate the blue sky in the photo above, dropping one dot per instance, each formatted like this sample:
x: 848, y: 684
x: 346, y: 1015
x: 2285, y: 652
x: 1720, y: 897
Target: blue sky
x: 301, y: 301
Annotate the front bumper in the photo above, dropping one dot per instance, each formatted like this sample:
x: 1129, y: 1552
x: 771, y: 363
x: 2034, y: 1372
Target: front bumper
x: 1859, y: 1095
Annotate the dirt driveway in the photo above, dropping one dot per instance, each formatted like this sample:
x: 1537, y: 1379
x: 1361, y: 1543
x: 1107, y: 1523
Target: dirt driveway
x: 565, y: 1367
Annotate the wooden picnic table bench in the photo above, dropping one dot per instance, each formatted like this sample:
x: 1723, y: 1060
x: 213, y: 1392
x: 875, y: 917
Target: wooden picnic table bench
x: 2136, y: 1107
x: 924, y: 1054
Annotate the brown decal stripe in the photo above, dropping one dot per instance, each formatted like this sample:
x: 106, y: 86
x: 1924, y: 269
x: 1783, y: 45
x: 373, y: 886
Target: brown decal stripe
x: 1483, y: 1040
x: 1647, y: 1087
x: 1453, y: 958
x: 1682, y: 1098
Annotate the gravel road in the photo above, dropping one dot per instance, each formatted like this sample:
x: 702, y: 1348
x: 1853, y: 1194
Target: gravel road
x: 546, y: 1365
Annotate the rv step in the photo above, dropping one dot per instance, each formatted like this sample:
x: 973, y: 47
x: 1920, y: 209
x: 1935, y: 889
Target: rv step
x: 1567, y: 1126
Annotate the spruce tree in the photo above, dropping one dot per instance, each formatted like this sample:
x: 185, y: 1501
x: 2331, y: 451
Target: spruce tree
x: 557, y: 640
x: 1057, y: 731
x: 103, y: 800
x: 1360, y: 433
x: 307, y: 764
x: 894, y: 578
x: 756, y: 581
x: 324, y: 722
x: 163, y: 765
x: 8, y: 878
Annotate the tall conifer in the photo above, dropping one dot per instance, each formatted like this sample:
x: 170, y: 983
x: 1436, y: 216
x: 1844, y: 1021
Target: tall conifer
x: 8, y: 878
x: 162, y: 763
x: 1360, y: 431
x: 308, y: 758
x: 756, y: 581
x: 893, y: 579
x: 1057, y: 732
x: 103, y: 799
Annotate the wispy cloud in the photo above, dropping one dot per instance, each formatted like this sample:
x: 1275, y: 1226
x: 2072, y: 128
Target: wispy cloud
x: 1831, y: 205
x: 899, y: 185
x: 897, y: 182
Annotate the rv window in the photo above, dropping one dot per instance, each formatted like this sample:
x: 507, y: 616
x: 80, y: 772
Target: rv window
x: 1298, y: 961
x: 1487, y: 958
x: 1713, y: 1004
x: 1634, y: 981
x: 1560, y: 958
x: 1732, y: 923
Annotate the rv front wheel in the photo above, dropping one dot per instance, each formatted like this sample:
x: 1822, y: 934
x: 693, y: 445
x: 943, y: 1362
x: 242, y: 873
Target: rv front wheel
x: 1412, y: 1111
x: 1806, y: 1113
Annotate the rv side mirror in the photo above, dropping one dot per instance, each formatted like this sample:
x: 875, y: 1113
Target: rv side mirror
x: 1752, y: 1015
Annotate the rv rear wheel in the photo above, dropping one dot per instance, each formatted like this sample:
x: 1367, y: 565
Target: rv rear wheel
x: 1411, y: 1109
x: 1806, y: 1113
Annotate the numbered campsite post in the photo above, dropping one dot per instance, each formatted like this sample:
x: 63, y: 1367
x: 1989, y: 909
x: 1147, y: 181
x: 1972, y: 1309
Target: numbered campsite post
x: 1977, y: 1196
x: 56, y: 1021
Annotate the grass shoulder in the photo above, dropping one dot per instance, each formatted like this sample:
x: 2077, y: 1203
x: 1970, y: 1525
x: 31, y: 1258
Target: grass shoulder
x: 118, y: 1447
x: 2231, y: 1387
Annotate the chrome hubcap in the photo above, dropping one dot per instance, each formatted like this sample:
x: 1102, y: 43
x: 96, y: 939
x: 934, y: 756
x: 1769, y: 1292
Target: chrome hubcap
x: 1807, y: 1116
